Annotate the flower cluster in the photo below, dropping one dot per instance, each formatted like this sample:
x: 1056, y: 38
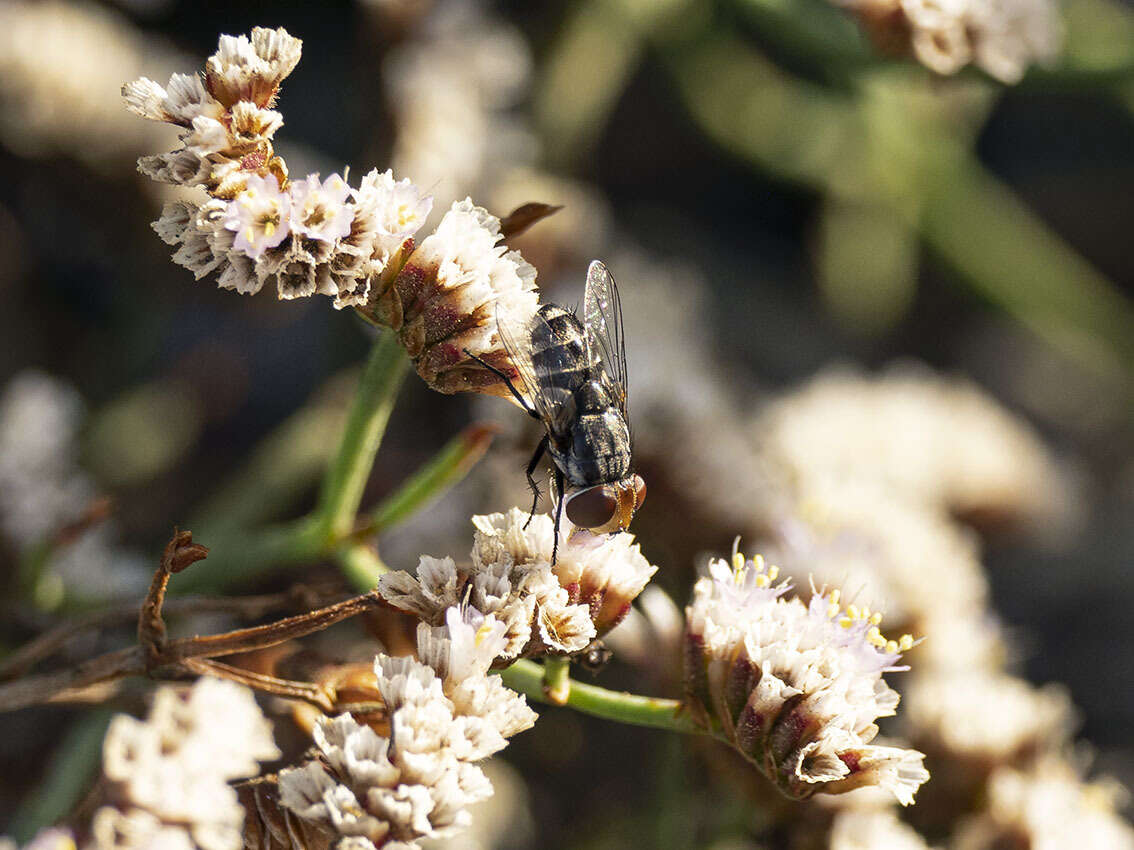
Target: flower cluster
x: 795, y: 687
x: 877, y: 829
x: 443, y: 297
x: 1047, y: 808
x: 556, y: 609
x: 938, y: 441
x: 167, y: 776
x: 445, y: 714
x: 1002, y: 37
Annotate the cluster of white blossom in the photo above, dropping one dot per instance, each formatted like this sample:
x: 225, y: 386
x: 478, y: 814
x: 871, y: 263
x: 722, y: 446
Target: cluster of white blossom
x: 556, y: 609
x: 323, y: 236
x: 167, y: 777
x: 872, y: 829
x: 445, y: 714
x: 930, y: 439
x: 61, y: 63
x: 450, y: 88
x: 796, y: 688
x: 1002, y: 37
x: 1047, y: 807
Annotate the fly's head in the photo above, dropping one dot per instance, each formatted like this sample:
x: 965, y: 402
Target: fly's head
x: 606, y: 508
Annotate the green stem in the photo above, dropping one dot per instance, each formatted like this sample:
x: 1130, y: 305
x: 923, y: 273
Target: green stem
x: 362, y: 566
x: 557, y: 680
x: 346, y: 477
x: 527, y: 678
x: 428, y: 483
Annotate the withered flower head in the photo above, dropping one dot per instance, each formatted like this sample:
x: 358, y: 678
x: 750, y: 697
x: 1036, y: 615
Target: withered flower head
x: 795, y: 687
x: 544, y: 609
x: 445, y: 714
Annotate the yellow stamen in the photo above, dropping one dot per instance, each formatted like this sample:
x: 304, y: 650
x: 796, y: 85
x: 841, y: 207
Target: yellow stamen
x: 269, y: 228
x: 762, y: 580
x: 892, y: 647
x: 876, y: 619
x: 853, y: 612
x: 773, y: 572
x: 251, y: 234
x: 737, y: 561
x: 905, y: 643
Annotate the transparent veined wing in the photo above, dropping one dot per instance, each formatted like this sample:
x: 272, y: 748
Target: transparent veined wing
x: 553, y: 405
x: 602, y: 320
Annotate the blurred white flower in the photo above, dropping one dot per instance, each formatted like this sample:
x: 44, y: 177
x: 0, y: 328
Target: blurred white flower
x: 1003, y: 37
x: 451, y: 87
x: 167, y: 776
x: 938, y: 440
x: 45, y: 839
x: 987, y: 716
x: 878, y: 829
x: 1047, y: 808
x: 795, y: 688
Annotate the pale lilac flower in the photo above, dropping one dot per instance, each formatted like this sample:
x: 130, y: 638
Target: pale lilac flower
x: 260, y: 216
x: 320, y: 210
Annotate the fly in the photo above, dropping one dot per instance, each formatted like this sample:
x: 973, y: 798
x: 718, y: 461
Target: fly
x: 575, y: 376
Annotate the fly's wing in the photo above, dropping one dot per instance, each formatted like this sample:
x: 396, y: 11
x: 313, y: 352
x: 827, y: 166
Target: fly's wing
x: 551, y: 403
x: 602, y: 319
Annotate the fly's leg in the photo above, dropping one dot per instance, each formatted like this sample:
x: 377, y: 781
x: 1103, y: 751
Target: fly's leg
x: 532, y: 464
x: 531, y: 411
x: 558, y: 513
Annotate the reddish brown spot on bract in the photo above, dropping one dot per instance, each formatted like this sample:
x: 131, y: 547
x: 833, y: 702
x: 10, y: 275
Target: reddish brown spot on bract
x: 851, y: 760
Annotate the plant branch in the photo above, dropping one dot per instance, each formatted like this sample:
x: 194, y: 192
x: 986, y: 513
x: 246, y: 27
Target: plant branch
x: 527, y: 678
x: 366, y: 423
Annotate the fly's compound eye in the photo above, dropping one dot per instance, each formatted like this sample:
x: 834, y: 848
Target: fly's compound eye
x: 592, y: 508
x: 639, y: 491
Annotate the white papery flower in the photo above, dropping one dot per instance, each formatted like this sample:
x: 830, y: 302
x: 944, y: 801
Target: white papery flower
x: 168, y: 775
x: 320, y: 210
x: 452, y: 292
x: 445, y: 714
x: 795, y: 687
x: 899, y: 554
x: 260, y: 216
x: 1047, y: 808
x: 988, y: 716
x: 940, y: 441
x: 558, y: 609
x: 878, y: 829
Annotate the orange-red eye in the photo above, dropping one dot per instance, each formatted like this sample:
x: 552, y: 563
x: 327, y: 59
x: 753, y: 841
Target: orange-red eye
x: 593, y: 507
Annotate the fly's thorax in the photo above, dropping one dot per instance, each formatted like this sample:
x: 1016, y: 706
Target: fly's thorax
x: 559, y: 349
x: 597, y: 448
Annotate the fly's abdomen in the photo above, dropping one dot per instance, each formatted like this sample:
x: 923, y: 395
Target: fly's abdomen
x: 559, y: 352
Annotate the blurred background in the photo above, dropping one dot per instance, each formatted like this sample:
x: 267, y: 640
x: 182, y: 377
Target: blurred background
x: 776, y: 198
